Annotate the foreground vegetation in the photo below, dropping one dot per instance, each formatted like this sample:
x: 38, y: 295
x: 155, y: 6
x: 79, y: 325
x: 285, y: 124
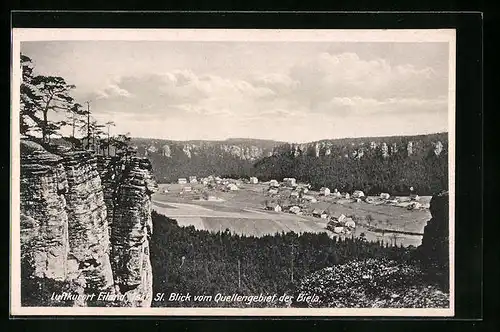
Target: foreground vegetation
x: 203, y: 263
x: 372, y: 283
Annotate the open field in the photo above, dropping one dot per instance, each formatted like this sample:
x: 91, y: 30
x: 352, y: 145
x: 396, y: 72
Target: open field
x: 242, y: 212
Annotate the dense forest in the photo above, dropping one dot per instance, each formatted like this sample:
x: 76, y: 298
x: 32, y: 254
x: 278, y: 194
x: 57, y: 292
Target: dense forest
x: 223, y: 164
x: 373, y: 174
x: 203, y: 263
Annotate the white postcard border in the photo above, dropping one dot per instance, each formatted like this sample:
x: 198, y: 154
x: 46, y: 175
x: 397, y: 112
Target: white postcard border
x: 242, y: 35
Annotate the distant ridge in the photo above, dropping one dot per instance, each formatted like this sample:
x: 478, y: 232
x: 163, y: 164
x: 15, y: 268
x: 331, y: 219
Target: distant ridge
x: 278, y: 142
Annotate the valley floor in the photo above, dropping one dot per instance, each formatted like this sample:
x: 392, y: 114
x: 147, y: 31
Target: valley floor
x: 242, y: 212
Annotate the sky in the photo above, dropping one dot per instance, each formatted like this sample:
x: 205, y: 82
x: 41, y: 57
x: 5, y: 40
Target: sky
x: 286, y: 91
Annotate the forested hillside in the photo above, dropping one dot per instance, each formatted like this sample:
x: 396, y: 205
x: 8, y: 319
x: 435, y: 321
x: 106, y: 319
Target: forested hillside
x: 426, y: 172
x: 372, y: 164
x: 203, y: 263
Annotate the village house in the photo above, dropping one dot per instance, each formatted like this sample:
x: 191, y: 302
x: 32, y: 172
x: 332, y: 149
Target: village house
x: 349, y: 223
x: 254, y: 180
x: 385, y: 196
x: 192, y: 179
x: 304, y: 190
x: 320, y: 214
x: 338, y: 217
x: 274, y: 183
x: 295, y: 210
x: 294, y: 194
x: 414, y: 206
x: 347, y: 196
x: 273, y: 206
x: 232, y: 186
x: 290, y: 182
x: 358, y: 194
x: 338, y: 230
x: 182, y: 181
x: 187, y: 189
x: 324, y: 191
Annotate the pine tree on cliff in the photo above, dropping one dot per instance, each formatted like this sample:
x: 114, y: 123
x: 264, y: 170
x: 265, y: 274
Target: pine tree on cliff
x: 75, y: 121
x: 54, y: 97
x: 122, y: 146
x: 30, y: 98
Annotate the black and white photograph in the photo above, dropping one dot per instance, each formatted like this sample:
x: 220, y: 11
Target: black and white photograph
x: 233, y: 172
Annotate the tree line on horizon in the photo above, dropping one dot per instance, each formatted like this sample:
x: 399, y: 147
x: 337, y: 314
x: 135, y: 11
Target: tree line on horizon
x: 43, y: 96
x: 426, y: 172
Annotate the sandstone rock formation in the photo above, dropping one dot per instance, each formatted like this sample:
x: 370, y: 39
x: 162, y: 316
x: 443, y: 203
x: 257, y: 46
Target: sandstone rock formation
x: 132, y: 227
x: 438, y: 148
x: 88, y: 234
x: 44, y: 221
x: 409, y: 148
x: 166, y: 151
x: 385, y: 150
x: 435, y: 245
x: 434, y: 250
x: 82, y: 235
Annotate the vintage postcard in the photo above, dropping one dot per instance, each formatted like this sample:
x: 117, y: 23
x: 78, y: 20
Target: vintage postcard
x: 180, y: 172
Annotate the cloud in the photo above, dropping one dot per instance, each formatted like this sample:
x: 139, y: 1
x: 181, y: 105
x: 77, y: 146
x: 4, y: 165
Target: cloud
x: 112, y: 91
x: 346, y: 74
x: 369, y: 106
x: 338, y: 87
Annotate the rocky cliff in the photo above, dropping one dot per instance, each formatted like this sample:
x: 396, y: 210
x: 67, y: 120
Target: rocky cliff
x: 81, y: 235
x: 249, y: 150
x: 434, y: 250
x: 129, y: 199
x: 357, y: 148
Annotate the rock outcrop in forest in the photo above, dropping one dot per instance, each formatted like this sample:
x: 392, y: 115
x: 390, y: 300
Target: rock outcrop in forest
x: 434, y: 250
x: 85, y: 227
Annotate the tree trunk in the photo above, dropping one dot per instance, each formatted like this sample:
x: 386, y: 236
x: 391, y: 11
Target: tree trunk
x: 73, y: 133
x: 44, y: 128
x: 108, y: 140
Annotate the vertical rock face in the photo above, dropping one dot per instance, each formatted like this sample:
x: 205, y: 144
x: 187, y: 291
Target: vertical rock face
x: 81, y: 234
x: 166, y: 152
x: 435, y: 240
x: 88, y: 227
x: 132, y: 227
x: 434, y: 250
x: 385, y: 150
x: 409, y: 148
x: 438, y: 148
x: 44, y: 221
